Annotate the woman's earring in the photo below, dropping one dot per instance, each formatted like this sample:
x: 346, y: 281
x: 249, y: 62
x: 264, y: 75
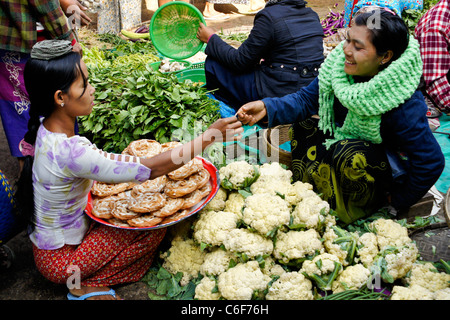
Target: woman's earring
x: 62, y: 104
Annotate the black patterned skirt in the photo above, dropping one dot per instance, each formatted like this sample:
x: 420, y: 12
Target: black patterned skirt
x: 352, y: 175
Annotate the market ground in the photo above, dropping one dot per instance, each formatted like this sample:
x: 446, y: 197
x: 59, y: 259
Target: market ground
x: 24, y: 282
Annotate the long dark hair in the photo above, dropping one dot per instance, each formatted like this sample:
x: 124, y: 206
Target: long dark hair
x: 42, y: 79
x: 388, y: 32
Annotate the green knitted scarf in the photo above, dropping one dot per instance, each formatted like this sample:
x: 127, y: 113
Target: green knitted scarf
x: 366, y: 101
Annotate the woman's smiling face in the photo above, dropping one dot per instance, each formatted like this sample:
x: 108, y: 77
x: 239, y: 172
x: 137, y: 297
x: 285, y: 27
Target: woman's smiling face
x: 361, y: 58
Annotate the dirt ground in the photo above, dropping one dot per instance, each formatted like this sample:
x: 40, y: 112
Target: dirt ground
x: 23, y: 281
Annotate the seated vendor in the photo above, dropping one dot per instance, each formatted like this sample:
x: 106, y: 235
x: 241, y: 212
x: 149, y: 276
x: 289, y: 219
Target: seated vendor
x: 282, y: 53
x: 371, y: 146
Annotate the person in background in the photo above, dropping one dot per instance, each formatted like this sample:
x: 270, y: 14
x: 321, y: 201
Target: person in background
x: 433, y: 33
x: 71, y: 7
x: 115, y: 15
x: 61, y: 167
x: 282, y: 53
x: 18, y: 33
x: 209, y: 12
x: 351, y: 7
x: 371, y: 146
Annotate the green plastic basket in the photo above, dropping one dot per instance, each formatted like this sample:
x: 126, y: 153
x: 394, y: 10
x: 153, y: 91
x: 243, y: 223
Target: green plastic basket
x: 173, y: 30
x: 195, y: 75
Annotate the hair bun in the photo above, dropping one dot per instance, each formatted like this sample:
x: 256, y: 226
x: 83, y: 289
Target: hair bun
x: 50, y: 49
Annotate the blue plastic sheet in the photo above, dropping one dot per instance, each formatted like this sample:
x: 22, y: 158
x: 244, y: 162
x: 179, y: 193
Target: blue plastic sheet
x: 443, y: 182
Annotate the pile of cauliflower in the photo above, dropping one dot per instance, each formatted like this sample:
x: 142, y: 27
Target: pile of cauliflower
x: 277, y: 240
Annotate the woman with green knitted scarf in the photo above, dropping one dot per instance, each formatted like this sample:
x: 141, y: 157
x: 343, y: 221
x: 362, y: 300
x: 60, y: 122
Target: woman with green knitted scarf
x: 360, y: 134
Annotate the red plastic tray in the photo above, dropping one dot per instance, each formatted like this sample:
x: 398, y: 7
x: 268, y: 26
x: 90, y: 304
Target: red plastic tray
x: 214, y: 181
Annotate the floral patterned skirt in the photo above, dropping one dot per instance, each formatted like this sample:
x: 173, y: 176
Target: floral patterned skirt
x: 352, y: 175
x: 107, y: 256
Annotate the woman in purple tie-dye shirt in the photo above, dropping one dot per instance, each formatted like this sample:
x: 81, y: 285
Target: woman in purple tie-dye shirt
x: 59, y: 174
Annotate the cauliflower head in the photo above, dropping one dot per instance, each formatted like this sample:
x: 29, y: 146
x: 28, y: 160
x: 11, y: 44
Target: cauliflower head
x: 367, y: 248
x: 248, y: 242
x: 414, y: 292
x: 184, y: 256
x: 204, y: 290
x: 212, y: 227
x: 241, y: 281
x: 238, y: 175
x: 290, y: 286
x: 235, y: 203
x: 389, y: 232
x: 394, y: 263
x: 294, y: 245
x: 216, y: 262
x: 352, y: 277
x: 427, y: 276
x: 274, y: 171
x: 218, y: 202
x: 265, y: 212
x: 312, y: 212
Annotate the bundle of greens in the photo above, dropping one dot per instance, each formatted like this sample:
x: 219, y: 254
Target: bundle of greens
x: 141, y: 103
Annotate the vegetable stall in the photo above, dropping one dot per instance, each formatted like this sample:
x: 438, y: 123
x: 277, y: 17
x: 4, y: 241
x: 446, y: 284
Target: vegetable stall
x: 292, y: 247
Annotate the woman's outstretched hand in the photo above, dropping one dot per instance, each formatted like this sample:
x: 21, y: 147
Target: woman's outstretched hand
x: 252, y: 112
x: 224, y: 129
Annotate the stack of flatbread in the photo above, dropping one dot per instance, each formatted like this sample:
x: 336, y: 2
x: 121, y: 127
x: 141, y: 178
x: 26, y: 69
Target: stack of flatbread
x: 154, y: 202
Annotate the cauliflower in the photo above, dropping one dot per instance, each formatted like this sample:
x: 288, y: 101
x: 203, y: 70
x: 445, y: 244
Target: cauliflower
x: 415, y: 292
x: 393, y: 263
x: 249, y: 243
x: 235, y: 203
x: 293, y: 245
x: 265, y: 212
x: 274, y: 171
x: 367, y: 248
x: 389, y: 232
x: 183, y: 256
x: 312, y: 212
x: 323, y: 270
x: 427, y: 276
x: 204, y: 290
x: 275, y: 187
x: 216, y: 262
x: 291, y: 286
x: 241, y: 281
x: 275, y: 180
x: 238, y: 175
x: 341, y: 243
x: 213, y: 226
x: 218, y: 202
x: 352, y: 277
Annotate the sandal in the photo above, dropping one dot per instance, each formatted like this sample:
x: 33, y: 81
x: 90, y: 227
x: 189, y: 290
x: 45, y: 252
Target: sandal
x: 111, y: 292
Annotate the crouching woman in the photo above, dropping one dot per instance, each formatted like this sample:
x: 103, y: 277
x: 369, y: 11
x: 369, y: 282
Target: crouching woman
x: 59, y: 171
x: 370, y: 145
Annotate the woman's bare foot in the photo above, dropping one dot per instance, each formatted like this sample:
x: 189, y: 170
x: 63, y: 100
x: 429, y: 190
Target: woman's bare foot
x: 85, y: 290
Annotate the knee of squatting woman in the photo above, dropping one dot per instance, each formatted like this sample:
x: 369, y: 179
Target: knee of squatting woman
x: 371, y: 146
x: 60, y: 173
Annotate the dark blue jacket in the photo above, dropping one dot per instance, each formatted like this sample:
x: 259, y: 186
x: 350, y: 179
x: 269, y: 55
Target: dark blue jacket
x: 288, y: 37
x: 404, y: 130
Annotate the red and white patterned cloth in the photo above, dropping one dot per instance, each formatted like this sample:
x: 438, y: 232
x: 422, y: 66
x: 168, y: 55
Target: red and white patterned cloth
x: 433, y: 34
x: 107, y: 256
